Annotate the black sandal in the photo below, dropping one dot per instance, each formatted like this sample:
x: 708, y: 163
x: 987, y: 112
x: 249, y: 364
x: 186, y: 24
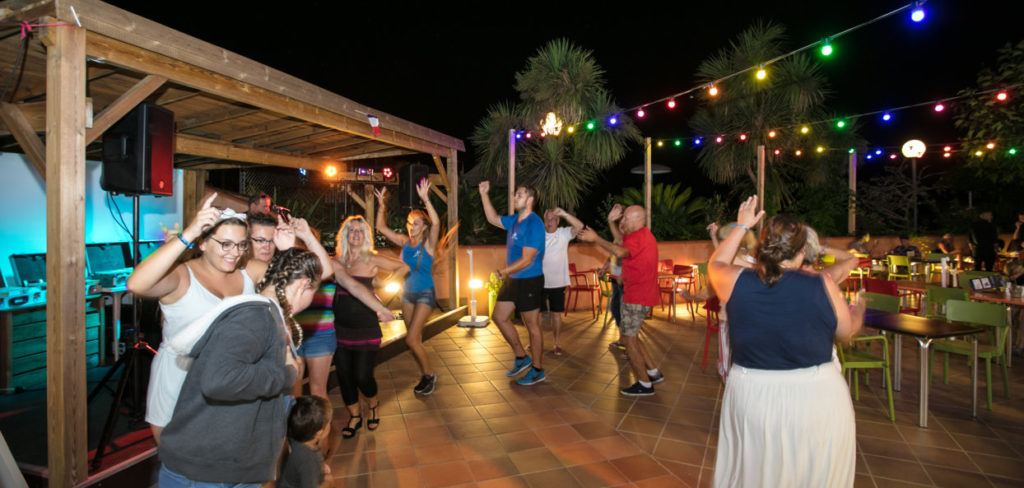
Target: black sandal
x: 373, y: 421
x: 350, y: 432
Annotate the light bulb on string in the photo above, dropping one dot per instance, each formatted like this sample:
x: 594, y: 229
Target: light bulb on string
x: 869, y: 156
x: 886, y: 117
x: 977, y: 153
x: 771, y: 133
x: 661, y: 143
x: 778, y: 152
x: 821, y: 149
x: 840, y: 124
x: 826, y: 47
x: 678, y: 142
x: 761, y: 73
x: 529, y: 135
x: 640, y: 114
x: 712, y: 90
x: 519, y: 135
x: 590, y: 125
x: 851, y: 151
x: 571, y: 129
x: 946, y: 155
x: 990, y: 145
x: 1012, y: 151
x: 939, y: 107
x: 892, y: 156
x: 798, y: 152
x: 613, y: 120
x: 1002, y: 96
x: 947, y: 149
x: 671, y: 103
x: 698, y: 141
x: 805, y: 129
x: 917, y: 15
x: 878, y: 152
x: 743, y: 137
x: 718, y: 139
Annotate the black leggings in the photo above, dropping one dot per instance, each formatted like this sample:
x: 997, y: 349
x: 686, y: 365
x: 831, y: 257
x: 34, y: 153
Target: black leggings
x: 355, y: 374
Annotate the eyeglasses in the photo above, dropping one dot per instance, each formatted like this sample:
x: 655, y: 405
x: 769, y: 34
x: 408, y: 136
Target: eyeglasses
x: 228, y: 246
x: 260, y: 241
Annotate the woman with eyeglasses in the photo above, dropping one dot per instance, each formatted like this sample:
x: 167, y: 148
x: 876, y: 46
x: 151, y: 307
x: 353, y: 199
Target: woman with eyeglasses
x: 357, y: 325
x: 418, y: 251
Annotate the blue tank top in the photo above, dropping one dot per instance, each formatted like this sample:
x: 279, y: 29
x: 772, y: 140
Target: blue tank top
x: 420, y: 263
x: 787, y: 326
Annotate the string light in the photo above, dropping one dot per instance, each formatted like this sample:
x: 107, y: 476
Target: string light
x: 778, y: 152
x: 743, y: 137
x: 939, y: 107
x: 840, y: 124
x: 1002, y: 96
x: 590, y: 125
x: 805, y: 129
x: 869, y: 156
x: 713, y: 90
x: 613, y: 120
x: 886, y: 117
x: 946, y: 155
x: 892, y: 156
x: 821, y: 149
x: 640, y: 114
x: 529, y: 135
x: 761, y: 73
x: 878, y: 152
x: 990, y: 145
x: 947, y: 149
x: 571, y: 129
x: 1012, y: 151
x: 826, y: 47
x: 851, y: 150
x: 977, y: 153
x: 718, y: 139
x: 917, y: 15
x: 661, y: 143
x: 698, y: 141
x: 798, y: 152
x: 519, y: 135
x: 771, y: 133
x: 671, y: 103
x: 679, y: 142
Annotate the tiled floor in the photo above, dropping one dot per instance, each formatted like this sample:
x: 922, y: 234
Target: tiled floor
x: 481, y: 429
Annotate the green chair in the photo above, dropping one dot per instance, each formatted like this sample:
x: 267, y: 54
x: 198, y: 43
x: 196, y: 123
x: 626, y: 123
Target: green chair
x: 936, y: 298
x: 965, y: 277
x: 879, y: 301
x: 979, y: 314
x: 854, y: 359
x: 605, y: 282
x: 899, y: 267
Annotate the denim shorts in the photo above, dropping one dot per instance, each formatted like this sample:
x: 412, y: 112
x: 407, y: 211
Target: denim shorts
x: 170, y: 479
x: 318, y: 345
x: 423, y: 296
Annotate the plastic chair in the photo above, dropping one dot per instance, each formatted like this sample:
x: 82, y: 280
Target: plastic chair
x: 667, y: 286
x: 686, y: 280
x: 580, y: 283
x: 665, y: 266
x: 883, y: 302
x: 854, y: 359
x: 987, y: 314
x: 936, y: 298
x: 712, y: 306
x: 898, y: 266
x: 886, y: 287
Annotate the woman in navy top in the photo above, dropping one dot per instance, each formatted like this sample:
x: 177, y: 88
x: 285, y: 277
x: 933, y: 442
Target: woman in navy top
x: 787, y: 418
x: 418, y: 249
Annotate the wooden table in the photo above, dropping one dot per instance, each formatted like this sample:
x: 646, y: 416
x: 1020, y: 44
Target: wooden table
x: 925, y: 331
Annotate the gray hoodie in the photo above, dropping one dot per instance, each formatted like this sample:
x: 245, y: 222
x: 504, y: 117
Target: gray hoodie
x: 230, y: 420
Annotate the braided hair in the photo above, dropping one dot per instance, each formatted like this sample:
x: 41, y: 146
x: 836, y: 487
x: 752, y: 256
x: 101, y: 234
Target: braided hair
x: 782, y: 238
x: 287, y: 266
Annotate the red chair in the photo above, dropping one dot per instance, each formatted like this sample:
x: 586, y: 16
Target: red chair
x: 712, y: 306
x: 580, y: 283
x: 665, y: 266
x: 667, y: 286
x: 887, y: 287
x: 686, y: 280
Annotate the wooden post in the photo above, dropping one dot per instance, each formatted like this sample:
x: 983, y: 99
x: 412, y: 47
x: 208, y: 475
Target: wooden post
x: 647, y: 179
x: 193, y: 189
x: 453, y: 220
x: 368, y: 201
x: 760, y: 179
x: 851, y: 218
x: 67, y: 446
x: 511, y: 170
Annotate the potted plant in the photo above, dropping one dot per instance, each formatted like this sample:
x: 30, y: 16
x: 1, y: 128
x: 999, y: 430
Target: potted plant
x: 493, y: 285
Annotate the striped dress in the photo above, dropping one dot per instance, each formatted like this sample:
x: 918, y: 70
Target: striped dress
x: 317, y: 322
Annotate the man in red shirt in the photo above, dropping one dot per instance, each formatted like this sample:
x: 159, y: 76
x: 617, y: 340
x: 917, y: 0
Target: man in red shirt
x: 639, y: 255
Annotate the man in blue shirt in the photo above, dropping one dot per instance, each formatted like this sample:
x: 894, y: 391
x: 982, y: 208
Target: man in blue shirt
x: 523, y: 276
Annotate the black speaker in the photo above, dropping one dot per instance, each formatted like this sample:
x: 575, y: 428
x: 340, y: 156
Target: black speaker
x: 408, y: 178
x: 138, y: 152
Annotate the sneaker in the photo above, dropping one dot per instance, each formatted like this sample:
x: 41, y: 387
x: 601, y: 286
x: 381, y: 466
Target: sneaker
x: 657, y: 379
x: 519, y: 366
x: 426, y: 385
x: 532, y: 378
x: 637, y: 390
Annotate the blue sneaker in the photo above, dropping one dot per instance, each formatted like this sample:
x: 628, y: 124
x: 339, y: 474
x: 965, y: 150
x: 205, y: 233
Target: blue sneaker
x: 532, y: 378
x: 519, y: 365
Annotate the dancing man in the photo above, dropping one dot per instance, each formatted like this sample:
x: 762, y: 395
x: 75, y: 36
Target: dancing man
x: 556, y: 266
x: 639, y: 255
x: 523, y: 278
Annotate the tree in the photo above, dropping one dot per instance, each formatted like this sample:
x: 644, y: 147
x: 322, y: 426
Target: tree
x: 886, y: 203
x: 793, y: 93
x: 675, y: 215
x: 566, y: 80
x: 982, y: 118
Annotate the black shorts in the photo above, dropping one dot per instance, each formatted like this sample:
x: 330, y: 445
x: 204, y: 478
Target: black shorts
x: 526, y: 293
x: 554, y: 298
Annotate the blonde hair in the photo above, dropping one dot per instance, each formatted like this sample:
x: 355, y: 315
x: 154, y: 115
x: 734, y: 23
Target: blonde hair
x: 746, y: 244
x: 341, y: 249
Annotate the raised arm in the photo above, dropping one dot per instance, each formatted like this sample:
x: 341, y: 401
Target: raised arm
x: 721, y: 271
x: 845, y: 263
x: 588, y: 235
x: 303, y: 232
x: 155, y: 276
x: 849, y: 319
x: 359, y: 291
x: 395, y: 266
x: 423, y: 189
x: 577, y: 226
x: 613, y: 222
x: 381, y: 225
x: 712, y: 229
x: 485, y: 200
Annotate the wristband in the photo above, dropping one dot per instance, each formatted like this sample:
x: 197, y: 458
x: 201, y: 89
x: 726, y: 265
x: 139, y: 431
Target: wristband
x: 188, y: 245
x: 739, y: 225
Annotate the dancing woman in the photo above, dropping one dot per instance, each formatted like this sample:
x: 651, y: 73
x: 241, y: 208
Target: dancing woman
x: 357, y: 325
x: 230, y: 419
x: 418, y: 297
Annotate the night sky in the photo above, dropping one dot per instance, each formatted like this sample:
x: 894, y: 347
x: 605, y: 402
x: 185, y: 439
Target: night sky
x: 441, y: 66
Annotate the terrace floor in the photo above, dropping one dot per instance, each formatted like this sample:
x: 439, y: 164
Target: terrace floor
x: 481, y: 429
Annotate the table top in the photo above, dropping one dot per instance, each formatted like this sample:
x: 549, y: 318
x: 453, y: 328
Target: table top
x: 995, y: 296
x: 913, y: 325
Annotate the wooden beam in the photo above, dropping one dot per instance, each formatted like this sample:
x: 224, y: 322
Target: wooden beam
x: 440, y: 194
x: 124, y: 104
x: 214, y: 116
x: 453, y: 219
x: 274, y: 99
x: 26, y: 136
x: 177, y: 98
x: 211, y: 148
x: 138, y: 32
x: 383, y: 153
x: 440, y: 169
x: 67, y: 447
x: 262, y: 128
x: 35, y: 115
x: 370, y: 200
x: 348, y: 141
x: 353, y: 196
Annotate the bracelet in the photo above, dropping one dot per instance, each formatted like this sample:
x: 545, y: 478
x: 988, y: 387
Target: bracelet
x: 188, y: 245
x: 739, y: 225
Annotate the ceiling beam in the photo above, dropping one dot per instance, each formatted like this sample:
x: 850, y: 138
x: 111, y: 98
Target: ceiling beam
x: 214, y: 116
x: 124, y: 104
x: 35, y: 115
x: 26, y: 136
x: 211, y: 148
x: 338, y: 144
x: 262, y: 129
x: 383, y: 153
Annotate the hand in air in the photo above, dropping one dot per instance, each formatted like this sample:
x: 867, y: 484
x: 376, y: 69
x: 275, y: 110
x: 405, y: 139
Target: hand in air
x: 204, y: 219
x: 284, y: 235
x: 423, y: 189
x: 615, y: 213
x: 712, y: 228
x: 172, y: 232
x: 748, y: 215
x: 382, y: 195
x: 485, y: 186
x: 587, y: 235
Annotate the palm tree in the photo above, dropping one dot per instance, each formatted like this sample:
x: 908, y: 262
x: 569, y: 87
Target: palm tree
x: 565, y: 79
x: 675, y: 215
x: 791, y: 94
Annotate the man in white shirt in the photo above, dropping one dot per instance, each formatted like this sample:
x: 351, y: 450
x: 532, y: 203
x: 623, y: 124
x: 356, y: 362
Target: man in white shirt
x: 556, y: 265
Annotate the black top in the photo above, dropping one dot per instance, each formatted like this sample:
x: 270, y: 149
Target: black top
x: 302, y: 467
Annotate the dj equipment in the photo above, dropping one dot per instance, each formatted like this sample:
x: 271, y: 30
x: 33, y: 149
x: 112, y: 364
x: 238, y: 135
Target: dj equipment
x: 138, y: 152
x: 29, y: 269
x: 17, y: 296
x: 409, y: 177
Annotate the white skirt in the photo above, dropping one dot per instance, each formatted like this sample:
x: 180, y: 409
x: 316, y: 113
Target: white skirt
x: 792, y: 428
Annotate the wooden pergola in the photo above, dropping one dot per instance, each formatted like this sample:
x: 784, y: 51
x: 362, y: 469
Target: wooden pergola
x: 80, y: 67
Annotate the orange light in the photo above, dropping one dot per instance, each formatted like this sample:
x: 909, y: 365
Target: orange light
x: 771, y: 133
x: 799, y: 152
x: 991, y: 145
x: 946, y: 155
x: 331, y: 171
x: 778, y: 152
x: 947, y: 148
x: 713, y: 91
